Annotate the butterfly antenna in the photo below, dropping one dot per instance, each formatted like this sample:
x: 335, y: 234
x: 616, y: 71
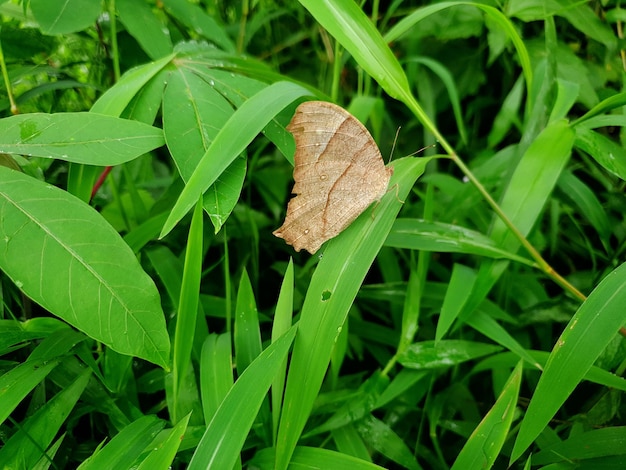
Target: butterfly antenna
x: 422, y: 149
x: 395, y: 140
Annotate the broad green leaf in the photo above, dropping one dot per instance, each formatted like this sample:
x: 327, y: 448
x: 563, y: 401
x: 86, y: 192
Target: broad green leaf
x: 44, y: 461
x: 66, y: 257
x: 88, y: 138
x: 193, y: 114
x: 444, y: 353
x: 238, y: 88
x: 37, y: 432
x: 485, y: 443
x: 67, y: 16
x: 115, y: 100
x: 243, y: 126
x: 345, y: 262
x: 123, y: 450
x: 592, y: 327
x: 19, y: 381
x: 237, y: 412
x: 144, y: 26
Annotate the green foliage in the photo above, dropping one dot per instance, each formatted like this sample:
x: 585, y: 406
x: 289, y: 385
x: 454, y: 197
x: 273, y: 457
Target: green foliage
x: 473, y: 318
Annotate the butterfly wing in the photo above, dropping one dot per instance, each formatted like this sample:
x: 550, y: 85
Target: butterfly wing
x: 338, y: 173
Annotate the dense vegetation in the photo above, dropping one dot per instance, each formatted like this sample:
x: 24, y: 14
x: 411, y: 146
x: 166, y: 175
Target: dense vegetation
x: 473, y: 318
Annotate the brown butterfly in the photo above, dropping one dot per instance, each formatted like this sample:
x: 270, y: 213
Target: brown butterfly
x: 338, y: 173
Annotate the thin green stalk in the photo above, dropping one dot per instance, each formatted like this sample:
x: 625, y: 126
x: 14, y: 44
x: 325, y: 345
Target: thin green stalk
x: 542, y: 264
x: 7, y: 82
x: 115, y: 56
x: 227, y: 285
x: 245, y: 11
x: 334, y: 91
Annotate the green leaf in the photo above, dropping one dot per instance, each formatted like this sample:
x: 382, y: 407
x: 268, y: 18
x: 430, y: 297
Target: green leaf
x: 485, y: 443
x: 587, y: 203
x: 243, y: 126
x: 283, y: 317
x: 145, y: 27
x: 37, y: 432
x: 337, y: 279
x: 186, y: 319
x: 590, y: 330
x: 587, y: 445
x: 419, y: 234
x: 345, y: 21
x: 315, y: 458
x: 608, y: 153
x: 379, y: 435
x: 66, y: 257
x: 455, y: 298
x: 247, y: 335
x: 197, y: 20
x: 19, y: 381
x: 164, y: 452
x: 78, y: 137
x: 247, y: 339
x: 444, y: 353
x: 359, y: 405
x: 526, y: 195
x: 216, y: 373
x: 115, y: 100
x: 410, y: 21
x: 193, y: 114
x: 237, y: 412
x: 126, y: 446
x: 67, y: 16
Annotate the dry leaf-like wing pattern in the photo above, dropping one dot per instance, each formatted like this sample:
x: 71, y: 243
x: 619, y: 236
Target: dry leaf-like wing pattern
x: 338, y: 173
